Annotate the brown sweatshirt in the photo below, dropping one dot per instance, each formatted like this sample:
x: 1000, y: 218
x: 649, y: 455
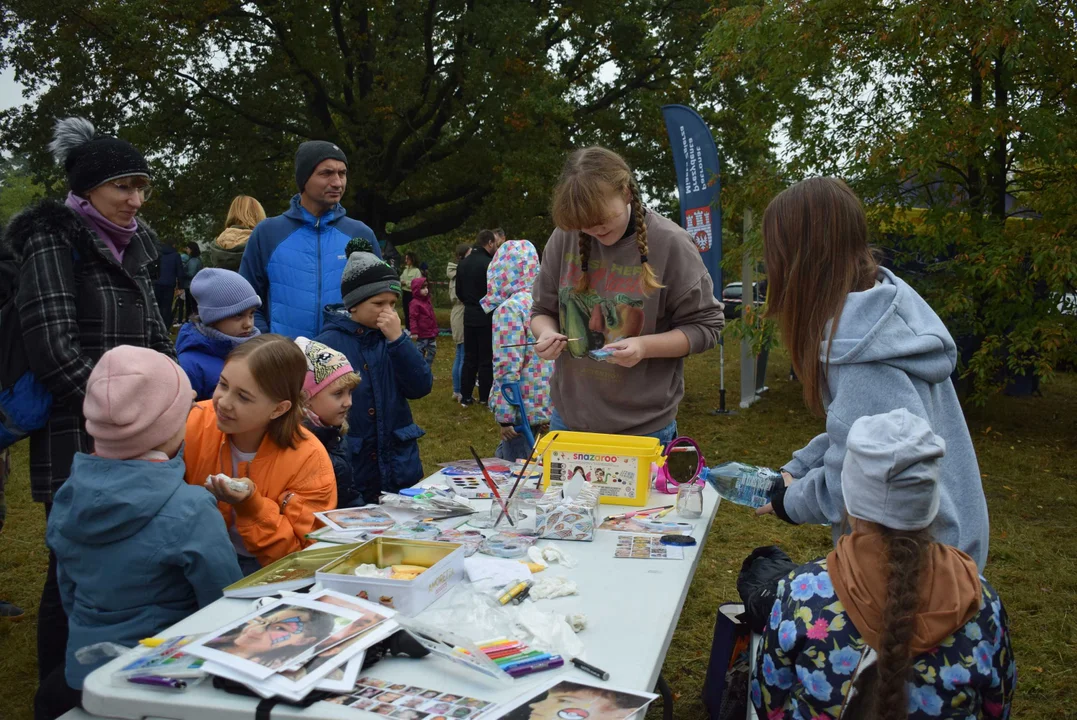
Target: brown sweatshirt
x: 594, y: 396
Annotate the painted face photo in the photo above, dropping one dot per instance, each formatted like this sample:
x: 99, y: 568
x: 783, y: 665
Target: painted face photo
x: 389, y: 697
x: 276, y: 638
x: 384, y: 710
x: 574, y: 701
x: 363, y: 704
x: 371, y: 682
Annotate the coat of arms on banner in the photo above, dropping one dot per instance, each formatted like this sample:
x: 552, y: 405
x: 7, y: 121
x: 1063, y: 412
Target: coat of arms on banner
x: 698, y: 225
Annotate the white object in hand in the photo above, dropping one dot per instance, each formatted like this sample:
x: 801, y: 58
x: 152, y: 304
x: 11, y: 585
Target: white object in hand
x: 233, y: 485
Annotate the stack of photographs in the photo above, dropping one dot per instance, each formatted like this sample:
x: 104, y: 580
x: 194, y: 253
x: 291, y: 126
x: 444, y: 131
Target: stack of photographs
x: 568, y: 699
x: 408, y: 702
x: 294, y: 646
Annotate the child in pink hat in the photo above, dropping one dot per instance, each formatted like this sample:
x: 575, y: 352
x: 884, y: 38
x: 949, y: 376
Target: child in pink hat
x: 127, y: 508
x: 327, y: 392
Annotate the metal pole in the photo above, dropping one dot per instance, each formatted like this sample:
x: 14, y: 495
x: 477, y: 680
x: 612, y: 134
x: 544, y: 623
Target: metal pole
x: 747, y: 297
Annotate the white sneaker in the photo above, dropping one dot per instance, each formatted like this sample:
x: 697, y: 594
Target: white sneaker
x: 457, y: 397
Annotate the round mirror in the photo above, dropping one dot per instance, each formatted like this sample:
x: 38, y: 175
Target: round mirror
x: 684, y: 461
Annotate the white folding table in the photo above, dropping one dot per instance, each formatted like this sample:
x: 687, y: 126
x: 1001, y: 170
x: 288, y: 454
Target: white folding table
x: 632, y: 608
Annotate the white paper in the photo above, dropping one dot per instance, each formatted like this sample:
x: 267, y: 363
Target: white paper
x: 562, y: 687
x: 486, y: 573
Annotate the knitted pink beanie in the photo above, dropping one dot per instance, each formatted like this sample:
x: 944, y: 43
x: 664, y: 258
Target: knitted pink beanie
x: 136, y: 400
x: 324, y: 365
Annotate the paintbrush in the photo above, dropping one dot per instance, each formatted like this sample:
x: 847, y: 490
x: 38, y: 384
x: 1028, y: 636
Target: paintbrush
x: 536, y: 342
x: 492, y: 484
x: 520, y: 476
x: 548, y: 443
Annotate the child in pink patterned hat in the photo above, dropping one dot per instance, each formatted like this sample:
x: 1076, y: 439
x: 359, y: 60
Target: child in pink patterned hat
x: 327, y: 392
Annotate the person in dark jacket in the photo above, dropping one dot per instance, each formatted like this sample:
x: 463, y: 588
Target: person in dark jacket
x: 170, y: 276
x: 294, y: 260
x: 227, y: 319
x: 192, y: 265
x: 382, y: 436
x: 327, y: 397
x: 83, y: 288
x: 478, y: 324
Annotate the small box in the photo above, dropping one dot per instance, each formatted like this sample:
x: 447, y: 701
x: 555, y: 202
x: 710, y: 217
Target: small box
x: 560, y: 518
x: 444, y: 563
x: 618, y: 466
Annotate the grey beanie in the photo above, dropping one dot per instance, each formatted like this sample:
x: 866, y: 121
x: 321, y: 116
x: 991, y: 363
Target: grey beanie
x: 221, y: 294
x: 365, y: 276
x: 891, y: 472
x: 310, y: 154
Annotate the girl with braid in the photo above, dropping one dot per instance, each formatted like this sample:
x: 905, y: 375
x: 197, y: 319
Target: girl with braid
x: 625, y: 292
x: 891, y: 624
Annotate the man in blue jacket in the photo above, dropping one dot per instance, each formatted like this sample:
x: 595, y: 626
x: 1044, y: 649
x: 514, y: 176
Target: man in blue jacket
x: 295, y: 260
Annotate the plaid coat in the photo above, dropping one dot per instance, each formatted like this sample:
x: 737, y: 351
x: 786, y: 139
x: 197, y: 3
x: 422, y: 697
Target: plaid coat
x: 76, y: 302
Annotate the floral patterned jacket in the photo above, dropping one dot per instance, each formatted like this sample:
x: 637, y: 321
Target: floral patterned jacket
x: 811, y: 649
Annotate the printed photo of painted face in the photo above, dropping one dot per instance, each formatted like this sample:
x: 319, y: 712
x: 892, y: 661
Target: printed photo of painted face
x: 274, y: 639
x: 573, y: 701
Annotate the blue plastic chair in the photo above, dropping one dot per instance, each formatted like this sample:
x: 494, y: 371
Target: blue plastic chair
x: 511, y: 392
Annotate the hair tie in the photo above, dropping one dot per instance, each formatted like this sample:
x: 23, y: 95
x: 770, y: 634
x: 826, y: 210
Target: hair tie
x: 642, y: 259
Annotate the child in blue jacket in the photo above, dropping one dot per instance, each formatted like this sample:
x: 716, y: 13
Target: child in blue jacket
x: 137, y: 548
x: 382, y: 436
x: 226, y: 305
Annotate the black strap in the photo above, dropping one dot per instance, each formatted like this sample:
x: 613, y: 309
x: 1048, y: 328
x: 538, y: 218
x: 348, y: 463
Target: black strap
x: 264, y: 708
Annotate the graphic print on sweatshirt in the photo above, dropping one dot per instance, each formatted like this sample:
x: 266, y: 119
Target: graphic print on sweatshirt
x: 610, y: 310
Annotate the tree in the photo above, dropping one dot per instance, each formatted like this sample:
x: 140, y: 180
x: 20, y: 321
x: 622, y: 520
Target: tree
x: 445, y: 108
x: 17, y: 189
x: 957, y: 124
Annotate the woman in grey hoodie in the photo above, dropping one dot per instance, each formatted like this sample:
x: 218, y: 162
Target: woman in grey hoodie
x: 863, y: 342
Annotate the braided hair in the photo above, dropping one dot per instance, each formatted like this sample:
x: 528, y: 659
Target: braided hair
x: 588, y: 179
x: 882, y: 692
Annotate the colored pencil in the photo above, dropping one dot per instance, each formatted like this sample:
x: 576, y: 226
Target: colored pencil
x: 492, y: 484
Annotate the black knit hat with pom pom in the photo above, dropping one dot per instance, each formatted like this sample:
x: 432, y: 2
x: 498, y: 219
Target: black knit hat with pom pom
x: 91, y: 159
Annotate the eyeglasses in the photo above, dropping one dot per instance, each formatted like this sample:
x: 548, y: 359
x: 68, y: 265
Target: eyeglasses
x: 144, y: 191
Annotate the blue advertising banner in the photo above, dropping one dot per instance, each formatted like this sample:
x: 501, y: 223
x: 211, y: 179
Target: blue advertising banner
x: 696, y: 158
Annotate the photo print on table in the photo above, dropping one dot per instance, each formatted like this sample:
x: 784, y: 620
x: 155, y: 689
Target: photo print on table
x: 568, y: 700
x: 271, y: 638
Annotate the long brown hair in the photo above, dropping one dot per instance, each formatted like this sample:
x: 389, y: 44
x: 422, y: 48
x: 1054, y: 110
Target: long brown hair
x: 882, y: 691
x: 588, y: 179
x: 279, y: 367
x: 815, y: 243
x: 245, y: 212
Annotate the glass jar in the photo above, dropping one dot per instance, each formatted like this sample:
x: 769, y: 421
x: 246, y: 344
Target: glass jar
x: 690, y: 501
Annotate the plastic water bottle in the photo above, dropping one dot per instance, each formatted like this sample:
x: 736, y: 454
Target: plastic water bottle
x: 743, y: 484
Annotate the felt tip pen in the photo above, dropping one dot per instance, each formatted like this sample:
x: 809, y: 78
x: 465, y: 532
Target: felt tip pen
x: 590, y: 669
x: 518, y: 658
x: 157, y: 681
x: 520, y: 663
x: 152, y: 642
x: 550, y: 664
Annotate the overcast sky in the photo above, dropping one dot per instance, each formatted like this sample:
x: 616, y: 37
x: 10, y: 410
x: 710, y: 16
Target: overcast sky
x: 10, y: 91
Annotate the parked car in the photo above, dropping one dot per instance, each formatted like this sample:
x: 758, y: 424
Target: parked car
x: 732, y: 297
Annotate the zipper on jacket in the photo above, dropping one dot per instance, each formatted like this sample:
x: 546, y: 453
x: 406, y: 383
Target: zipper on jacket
x: 318, y: 297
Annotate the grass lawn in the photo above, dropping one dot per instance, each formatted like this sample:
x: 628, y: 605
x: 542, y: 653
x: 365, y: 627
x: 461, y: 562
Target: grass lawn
x: 1026, y: 448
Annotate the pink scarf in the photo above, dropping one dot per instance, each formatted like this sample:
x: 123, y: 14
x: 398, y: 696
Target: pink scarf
x: 115, y: 237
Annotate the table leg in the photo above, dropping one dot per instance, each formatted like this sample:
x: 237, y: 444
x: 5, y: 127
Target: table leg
x: 666, y: 692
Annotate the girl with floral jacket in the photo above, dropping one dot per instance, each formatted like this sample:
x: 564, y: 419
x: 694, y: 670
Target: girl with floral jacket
x: 891, y: 624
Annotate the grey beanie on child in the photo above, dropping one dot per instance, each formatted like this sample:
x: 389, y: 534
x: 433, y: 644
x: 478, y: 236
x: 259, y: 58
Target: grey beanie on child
x: 891, y: 472
x: 310, y: 155
x: 365, y: 276
x: 222, y: 294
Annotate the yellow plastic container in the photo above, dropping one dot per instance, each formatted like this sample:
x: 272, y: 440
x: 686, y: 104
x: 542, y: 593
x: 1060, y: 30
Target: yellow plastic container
x: 619, y: 466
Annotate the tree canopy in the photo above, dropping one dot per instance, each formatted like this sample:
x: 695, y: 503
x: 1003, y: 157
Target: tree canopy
x: 957, y: 124
x: 447, y: 109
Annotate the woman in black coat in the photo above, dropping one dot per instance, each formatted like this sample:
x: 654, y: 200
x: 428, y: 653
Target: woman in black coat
x: 83, y: 288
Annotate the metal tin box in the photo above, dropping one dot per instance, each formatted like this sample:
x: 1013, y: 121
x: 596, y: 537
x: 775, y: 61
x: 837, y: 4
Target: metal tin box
x: 444, y: 563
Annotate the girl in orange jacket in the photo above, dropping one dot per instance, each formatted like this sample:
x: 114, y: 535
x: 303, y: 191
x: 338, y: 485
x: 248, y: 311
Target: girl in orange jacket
x: 276, y: 475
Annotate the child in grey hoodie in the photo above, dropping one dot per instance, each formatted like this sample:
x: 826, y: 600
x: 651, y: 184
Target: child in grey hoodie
x: 889, y: 350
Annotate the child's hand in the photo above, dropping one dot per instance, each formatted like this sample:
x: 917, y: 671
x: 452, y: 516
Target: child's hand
x: 627, y: 352
x: 389, y: 324
x: 551, y: 344
x: 508, y: 432
x: 228, y: 490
